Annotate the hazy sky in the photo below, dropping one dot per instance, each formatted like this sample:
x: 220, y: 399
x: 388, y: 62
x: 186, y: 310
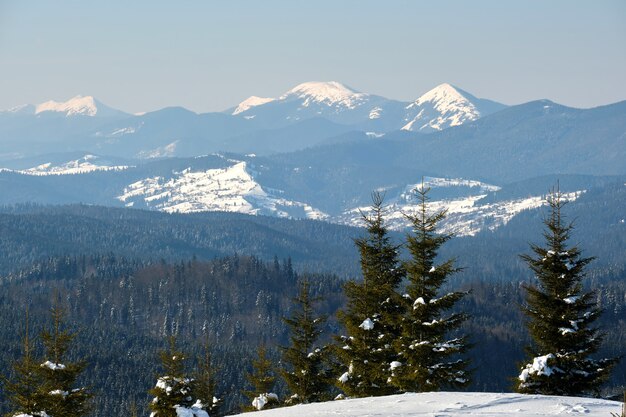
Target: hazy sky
x: 140, y: 55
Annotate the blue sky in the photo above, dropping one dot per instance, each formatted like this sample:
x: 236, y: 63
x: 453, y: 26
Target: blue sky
x: 208, y: 55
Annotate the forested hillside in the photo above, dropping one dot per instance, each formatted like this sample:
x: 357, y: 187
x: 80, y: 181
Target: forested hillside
x: 124, y: 309
x: 30, y: 233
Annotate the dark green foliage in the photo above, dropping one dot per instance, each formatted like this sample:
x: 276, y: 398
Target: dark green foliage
x: 121, y: 307
x: 428, y: 358
x: 125, y: 310
x: 262, y: 379
x: 306, y: 369
x: 206, y: 384
x: 372, y: 314
x: 22, y: 390
x: 561, y: 317
x: 174, y: 388
x: 138, y: 234
x: 58, y: 394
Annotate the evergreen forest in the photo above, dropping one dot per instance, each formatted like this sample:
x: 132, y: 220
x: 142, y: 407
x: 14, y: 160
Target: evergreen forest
x: 235, y: 310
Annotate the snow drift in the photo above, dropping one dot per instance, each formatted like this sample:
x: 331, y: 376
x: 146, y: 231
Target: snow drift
x: 452, y: 404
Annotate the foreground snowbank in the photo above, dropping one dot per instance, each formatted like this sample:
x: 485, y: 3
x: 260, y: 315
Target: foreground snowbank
x: 452, y: 404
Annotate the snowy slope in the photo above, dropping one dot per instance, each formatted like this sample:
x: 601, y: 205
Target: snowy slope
x: 88, y: 163
x: 236, y: 189
x: 466, y: 216
x: 451, y: 404
x: 231, y: 189
x: 217, y: 183
x: 446, y: 106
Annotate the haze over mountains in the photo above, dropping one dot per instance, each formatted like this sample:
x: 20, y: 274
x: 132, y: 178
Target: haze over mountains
x: 84, y: 123
x: 317, y: 151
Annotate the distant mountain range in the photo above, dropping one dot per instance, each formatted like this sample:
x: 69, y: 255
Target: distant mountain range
x: 76, y: 106
x: 317, y: 151
x: 304, y: 116
x: 442, y: 107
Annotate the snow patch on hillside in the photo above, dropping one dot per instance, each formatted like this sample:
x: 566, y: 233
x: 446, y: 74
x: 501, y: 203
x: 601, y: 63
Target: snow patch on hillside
x: 433, y: 182
x: 160, y: 152
x: 451, y: 404
x: 232, y: 189
x: 124, y: 131
x: 375, y: 113
x: 466, y: 216
x: 84, y: 165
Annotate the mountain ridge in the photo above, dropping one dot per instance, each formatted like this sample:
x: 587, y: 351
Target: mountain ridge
x: 437, y: 109
x: 78, y: 105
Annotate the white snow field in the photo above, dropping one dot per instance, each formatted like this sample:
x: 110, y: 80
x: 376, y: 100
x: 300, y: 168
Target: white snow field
x: 451, y: 404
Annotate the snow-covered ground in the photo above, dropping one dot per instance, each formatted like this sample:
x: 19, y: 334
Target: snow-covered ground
x: 451, y: 404
x: 84, y: 165
x: 231, y: 189
x: 235, y: 189
x: 466, y: 216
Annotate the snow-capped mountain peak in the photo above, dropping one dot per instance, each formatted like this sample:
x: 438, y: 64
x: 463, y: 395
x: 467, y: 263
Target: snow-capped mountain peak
x: 79, y: 105
x: 444, y: 97
x: 445, y: 106
x: 76, y: 106
x: 330, y: 93
x: 250, y: 102
x: 442, y: 107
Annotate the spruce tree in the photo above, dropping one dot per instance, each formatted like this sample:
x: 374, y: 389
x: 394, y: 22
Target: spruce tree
x: 428, y: 359
x: 23, y: 388
x: 305, y: 369
x: 372, y: 314
x: 206, y: 384
x: 175, y: 392
x: 262, y: 380
x: 560, y: 317
x: 58, y: 394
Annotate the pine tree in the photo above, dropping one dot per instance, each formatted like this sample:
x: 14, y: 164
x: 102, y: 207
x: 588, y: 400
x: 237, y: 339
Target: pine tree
x: 22, y: 390
x: 560, y: 317
x: 262, y: 380
x: 428, y: 359
x: 206, y: 384
x: 57, y: 393
x: 175, y: 393
x: 372, y: 315
x: 306, y: 372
